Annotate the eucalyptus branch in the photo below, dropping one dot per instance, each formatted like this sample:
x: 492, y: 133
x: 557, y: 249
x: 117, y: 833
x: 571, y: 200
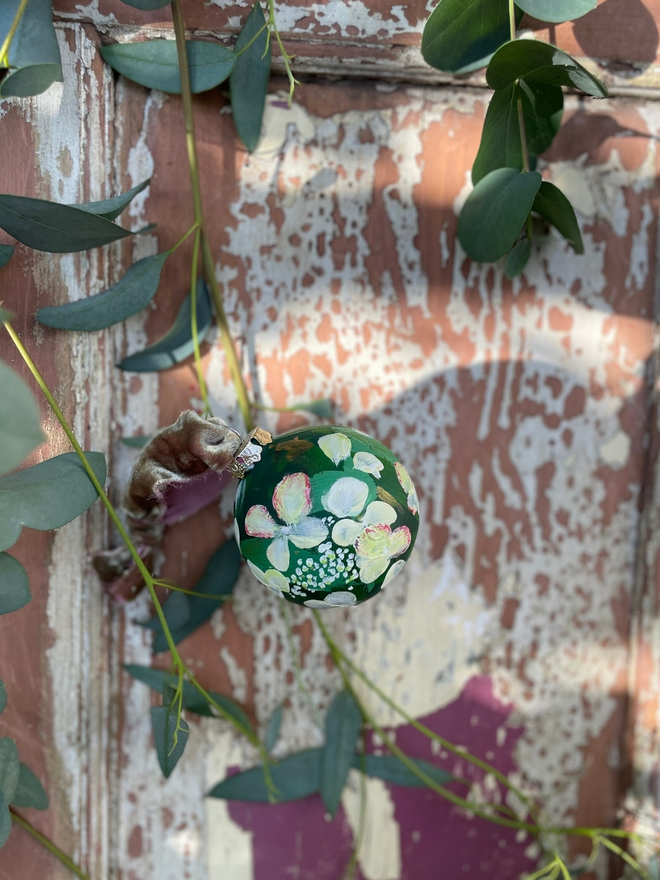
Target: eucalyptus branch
x: 193, y: 325
x: 47, y: 844
x: 4, y: 50
x: 286, y: 58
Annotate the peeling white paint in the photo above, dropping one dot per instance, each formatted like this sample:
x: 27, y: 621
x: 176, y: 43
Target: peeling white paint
x: 379, y: 853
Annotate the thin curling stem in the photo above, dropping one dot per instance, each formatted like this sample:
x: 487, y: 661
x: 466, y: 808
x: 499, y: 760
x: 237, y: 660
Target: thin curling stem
x: 47, y: 844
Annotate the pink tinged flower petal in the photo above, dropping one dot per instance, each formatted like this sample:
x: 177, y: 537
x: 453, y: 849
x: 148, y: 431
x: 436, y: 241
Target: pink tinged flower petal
x: 340, y: 599
x: 292, y: 498
x: 379, y: 513
x: 259, y: 523
x: 346, y: 497
x: 336, y: 446
x: 365, y: 461
x: 373, y: 542
x: 346, y: 531
x: 371, y: 569
x: 278, y: 553
x: 395, y: 569
x: 407, y: 486
x: 309, y: 532
x: 399, y: 542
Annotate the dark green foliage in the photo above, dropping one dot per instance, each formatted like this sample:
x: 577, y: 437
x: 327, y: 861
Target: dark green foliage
x: 557, y: 10
x: 176, y: 611
x: 177, y: 344
x: 518, y: 258
x: 138, y: 442
x: 9, y: 768
x: 323, y: 408
x: 34, y: 53
x: 218, y: 579
x: 295, y: 777
x: 132, y: 293
x: 6, y: 253
x: 273, y: 729
x: 342, y: 729
x: 147, y: 5
x: 3, y: 696
x: 111, y: 208
x: 495, y: 212
x: 20, y: 420
x: 170, y: 738
x: 553, y: 206
x: 154, y: 64
x: 47, y: 495
x: 14, y: 585
x: 248, y: 82
x: 29, y: 791
x: 461, y: 33
x: 390, y: 769
x: 540, y: 63
x: 5, y: 820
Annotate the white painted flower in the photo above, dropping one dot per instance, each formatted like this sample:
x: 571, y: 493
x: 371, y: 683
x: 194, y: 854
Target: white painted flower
x: 395, y: 569
x: 292, y: 499
x: 274, y: 580
x: 336, y: 446
x: 376, y: 546
x: 346, y: 497
x: 365, y: 461
x: 237, y: 532
x: 407, y: 486
x: 347, y: 531
x: 339, y: 599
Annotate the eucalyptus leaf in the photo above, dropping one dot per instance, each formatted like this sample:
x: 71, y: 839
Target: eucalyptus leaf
x: 112, y: 208
x: 6, y: 253
x: 132, y: 293
x: 553, y: 206
x: 540, y: 63
x: 147, y: 5
x: 154, y: 64
x: 47, y: 495
x: 9, y: 768
x: 3, y: 696
x: 460, y: 33
x: 273, y: 729
x: 29, y: 791
x: 193, y: 701
x: 14, y: 585
x: 323, y: 408
x: 34, y: 52
x: 138, y: 442
x: 5, y: 315
x: 518, y: 258
x: 5, y: 820
x: 176, y: 611
x: 390, y: 769
x: 20, y: 420
x: 177, y: 344
x: 218, y: 579
x: 342, y: 729
x: 295, y: 777
x: 59, y: 229
x: 557, y: 11
x: 170, y: 741
x: 248, y: 82
x: 495, y: 211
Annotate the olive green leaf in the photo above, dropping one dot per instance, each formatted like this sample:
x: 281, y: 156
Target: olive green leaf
x: 461, y: 33
x: 9, y: 768
x: 218, y: 579
x: 60, y: 229
x: 518, y: 258
x: 132, y: 293
x: 248, y: 82
x: 14, y: 585
x: 342, y: 729
x: 147, y: 5
x: 495, y: 211
x: 29, y: 791
x: 193, y: 701
x: 390, y: 769
x: 47, y: 495
x: 176, y: 611
x: 6, y: 253
x: 273, y: 729
x: 3, y: 696
x: 137, y: 442
x: 170, y: 739
x: 557, y: 11
x: 112, y: 208
x: 323, y: 408
x: 552, y: 205
x: 20, y: 420
x: 177, y: 344
x: 5, y: 820
x: 34, y: 53
x: 154, y: 64
x: 540, y: 63
x: 501, y: 142
x: 295, y: 777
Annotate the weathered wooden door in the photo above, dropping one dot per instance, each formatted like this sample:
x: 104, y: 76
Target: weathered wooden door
x: 527, y: 626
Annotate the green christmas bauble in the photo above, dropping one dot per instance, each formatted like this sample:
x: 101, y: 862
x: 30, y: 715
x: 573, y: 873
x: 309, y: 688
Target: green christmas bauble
x: 327, y: 517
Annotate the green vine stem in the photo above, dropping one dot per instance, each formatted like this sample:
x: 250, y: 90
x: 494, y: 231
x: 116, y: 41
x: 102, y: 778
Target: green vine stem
x: 47, y: 844
x: 521, y: 118
x: 207, y: 256
x: 193, y: 325
x: 286, y: 58
x: 4, y: 50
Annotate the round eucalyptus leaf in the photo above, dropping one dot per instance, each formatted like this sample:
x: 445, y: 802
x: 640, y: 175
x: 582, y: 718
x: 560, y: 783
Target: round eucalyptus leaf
x: 34, y: 52
x: 20, y: 420
x: 518, y: 258
x: 541, y: 63
x: 553, y: 206
x: 557, y: 11
x: 460, y: 33
x: 14, y: 585
x: 9, y: 768
x: 5, y: 820
x: 495, y: 211
x: 30, y: 81
x: 29, y: 791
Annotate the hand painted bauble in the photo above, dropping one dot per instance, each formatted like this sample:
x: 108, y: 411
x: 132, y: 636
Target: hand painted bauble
x: 327, y: 517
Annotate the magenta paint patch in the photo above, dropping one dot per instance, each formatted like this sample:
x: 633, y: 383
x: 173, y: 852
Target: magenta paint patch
x: 296, y: 841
